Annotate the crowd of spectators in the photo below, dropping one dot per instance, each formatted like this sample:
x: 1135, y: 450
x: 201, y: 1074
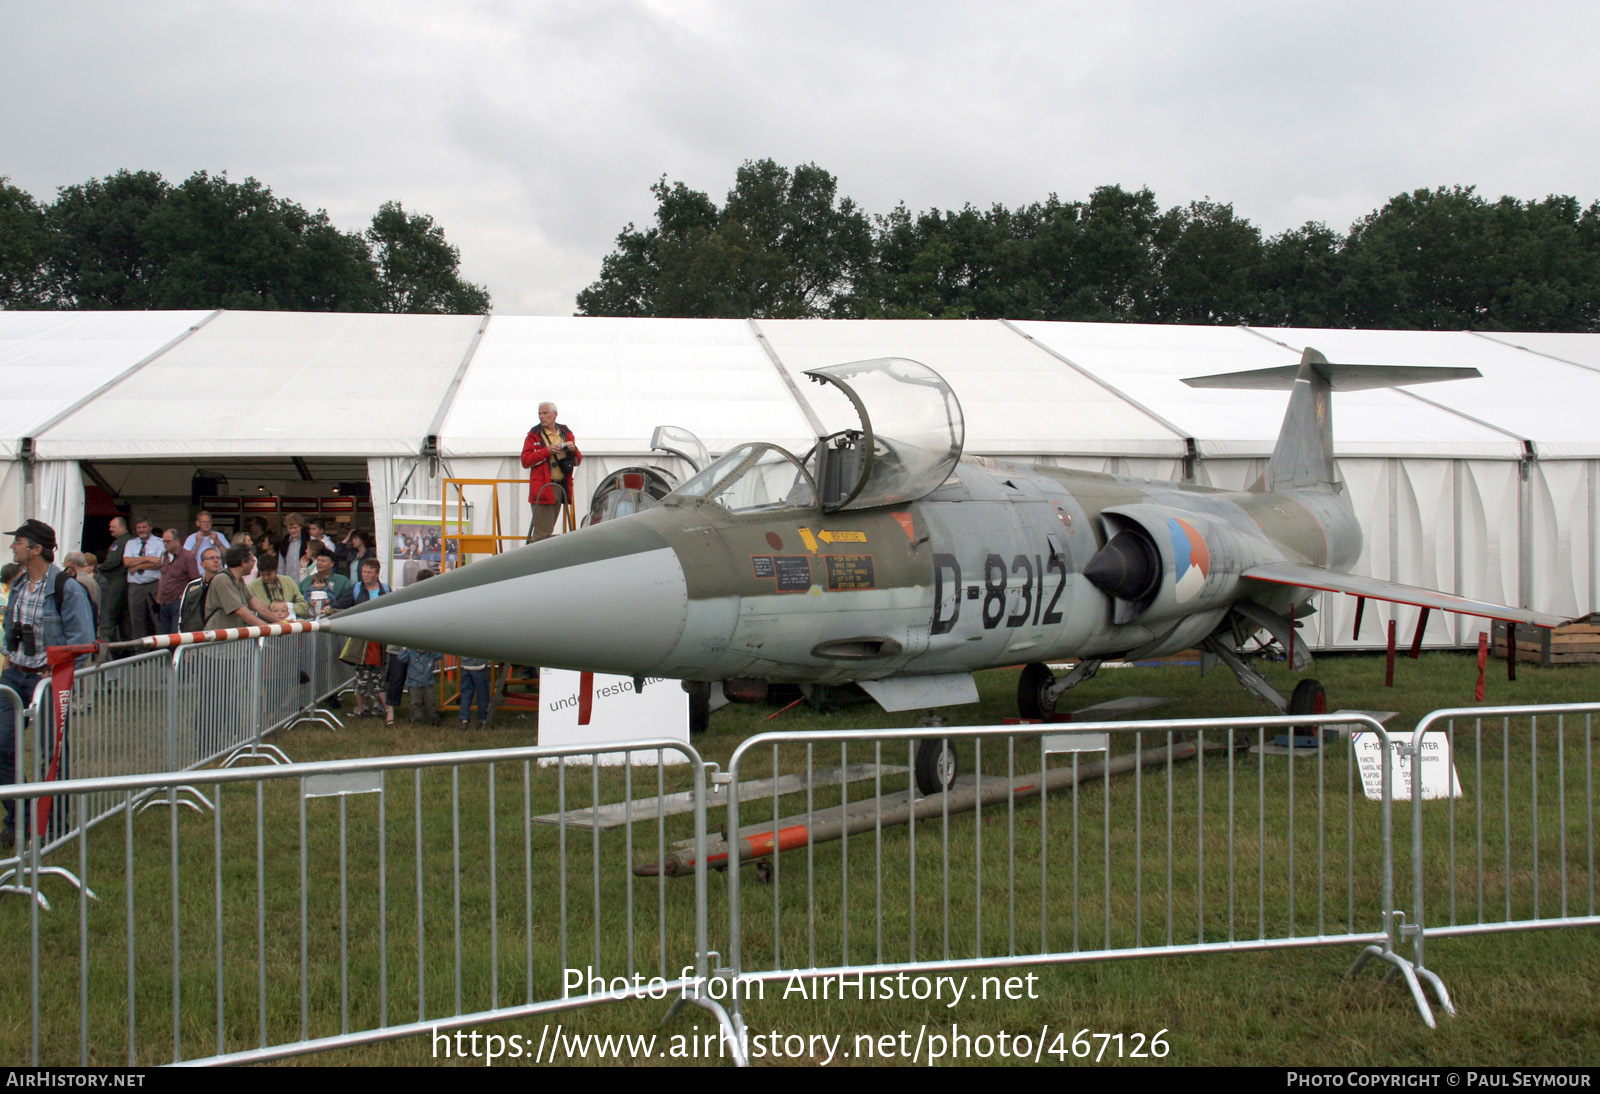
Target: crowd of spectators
x: 161, y: 581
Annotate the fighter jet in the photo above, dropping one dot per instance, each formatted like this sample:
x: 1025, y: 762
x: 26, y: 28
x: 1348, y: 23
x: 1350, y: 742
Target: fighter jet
x: 883, y: 558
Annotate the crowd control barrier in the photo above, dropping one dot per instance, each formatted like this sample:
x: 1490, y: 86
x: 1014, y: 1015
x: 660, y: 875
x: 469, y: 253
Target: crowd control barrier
x: 1170, y: 840
x: 328, y: 905
x: 1509, y: 843
x: 173, y: 710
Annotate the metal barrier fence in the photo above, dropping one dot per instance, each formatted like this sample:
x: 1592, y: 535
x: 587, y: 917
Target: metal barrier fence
x: 1513, y: 846
x: 164, y: 711
x: 421, y: 880
x: 1190, y: 846
x: 334, y: 904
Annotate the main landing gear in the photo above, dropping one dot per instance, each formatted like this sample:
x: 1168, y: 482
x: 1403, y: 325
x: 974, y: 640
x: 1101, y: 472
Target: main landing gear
x: 1038, y: 690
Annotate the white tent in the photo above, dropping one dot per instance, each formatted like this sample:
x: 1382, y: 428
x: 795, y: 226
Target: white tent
x: 1485, y: 487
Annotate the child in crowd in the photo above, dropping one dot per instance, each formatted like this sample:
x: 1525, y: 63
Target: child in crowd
x: 474, y: 683
x: 412, y: 670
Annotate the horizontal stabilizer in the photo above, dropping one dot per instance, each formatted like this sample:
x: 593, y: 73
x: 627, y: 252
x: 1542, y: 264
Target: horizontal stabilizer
x: 1315, y: 577
x: 1339, y: 377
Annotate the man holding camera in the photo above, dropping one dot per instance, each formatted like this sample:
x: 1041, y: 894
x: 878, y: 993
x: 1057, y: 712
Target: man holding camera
x: 41, y: 613
x: 550, y: 453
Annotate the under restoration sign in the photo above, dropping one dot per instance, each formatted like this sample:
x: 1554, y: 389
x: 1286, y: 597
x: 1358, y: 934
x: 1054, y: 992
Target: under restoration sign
x: 593, y: 709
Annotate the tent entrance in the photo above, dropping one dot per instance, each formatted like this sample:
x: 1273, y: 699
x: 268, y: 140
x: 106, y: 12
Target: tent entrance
x: 169, y: 492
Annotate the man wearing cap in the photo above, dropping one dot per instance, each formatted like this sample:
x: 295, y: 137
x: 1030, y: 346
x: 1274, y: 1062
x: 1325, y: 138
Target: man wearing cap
x: 32, y: 624
x: 550, y: 453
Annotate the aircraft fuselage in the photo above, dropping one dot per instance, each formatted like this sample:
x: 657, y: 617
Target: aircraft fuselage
x: 987, y: 570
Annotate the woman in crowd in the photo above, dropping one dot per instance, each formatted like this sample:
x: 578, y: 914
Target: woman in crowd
x: 292, y: 561
x: 369, y: 658
x: 358, y: 546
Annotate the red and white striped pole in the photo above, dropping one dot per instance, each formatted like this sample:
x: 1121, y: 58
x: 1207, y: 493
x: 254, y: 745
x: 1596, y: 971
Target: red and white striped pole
x: 231, y: 634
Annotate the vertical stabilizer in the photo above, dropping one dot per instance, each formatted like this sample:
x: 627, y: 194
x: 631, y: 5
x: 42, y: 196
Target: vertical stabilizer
x: 1303, y: 457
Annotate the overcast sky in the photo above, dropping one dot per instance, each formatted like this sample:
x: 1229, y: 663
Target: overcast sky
x: 532, y: 129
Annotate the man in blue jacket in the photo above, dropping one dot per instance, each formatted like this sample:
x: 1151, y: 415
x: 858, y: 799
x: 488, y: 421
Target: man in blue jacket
x: 42, y: 612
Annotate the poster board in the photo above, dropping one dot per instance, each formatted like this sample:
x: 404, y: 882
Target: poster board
x: 1439, y: 778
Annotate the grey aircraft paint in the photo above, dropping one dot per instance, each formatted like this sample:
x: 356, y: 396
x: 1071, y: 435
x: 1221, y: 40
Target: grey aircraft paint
x: 885, y: 555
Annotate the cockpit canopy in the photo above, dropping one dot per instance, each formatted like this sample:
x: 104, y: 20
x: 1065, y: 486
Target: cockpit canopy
x: 903, y: 449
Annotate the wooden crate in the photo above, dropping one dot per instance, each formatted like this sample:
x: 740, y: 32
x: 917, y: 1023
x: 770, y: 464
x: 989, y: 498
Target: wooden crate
x: 1574, y: 644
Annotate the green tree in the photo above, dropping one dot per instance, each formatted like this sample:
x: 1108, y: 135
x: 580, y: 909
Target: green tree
x: 133, y: 241
x: 784, y: 245
x: 1210, y: 265
x: 24, y: 249
x: 99, y: 251
x: 1447, y: 259
x: 1300, y: 275
x: 418, y: 271
x: 218, y: 243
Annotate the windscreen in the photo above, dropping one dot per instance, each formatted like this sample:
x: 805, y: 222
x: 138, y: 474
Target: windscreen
x: 753, y: 478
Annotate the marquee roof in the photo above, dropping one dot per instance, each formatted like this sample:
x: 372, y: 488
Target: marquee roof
x: 131, y: 385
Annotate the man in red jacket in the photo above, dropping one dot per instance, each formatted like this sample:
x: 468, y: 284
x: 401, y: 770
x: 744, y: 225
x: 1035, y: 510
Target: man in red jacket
x: 550, y: 453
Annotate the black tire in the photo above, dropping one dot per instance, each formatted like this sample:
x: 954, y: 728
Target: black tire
x: 1309, y: 698
x: 699, y: 706
x: 936, y: 765
x: 1031, y: 686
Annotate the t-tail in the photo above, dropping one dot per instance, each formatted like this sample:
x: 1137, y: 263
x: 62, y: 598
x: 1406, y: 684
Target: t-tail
x: 1303, y: 457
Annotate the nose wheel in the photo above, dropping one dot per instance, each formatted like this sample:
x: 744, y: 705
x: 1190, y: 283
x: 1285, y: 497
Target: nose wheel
x: 936, y: 765
x: 699, y: 705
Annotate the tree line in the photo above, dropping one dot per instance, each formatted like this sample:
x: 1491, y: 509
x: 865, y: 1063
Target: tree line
x: 785, y: 244
x: 134, y: 241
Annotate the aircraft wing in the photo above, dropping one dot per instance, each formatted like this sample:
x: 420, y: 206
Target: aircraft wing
x: 1315, y: 577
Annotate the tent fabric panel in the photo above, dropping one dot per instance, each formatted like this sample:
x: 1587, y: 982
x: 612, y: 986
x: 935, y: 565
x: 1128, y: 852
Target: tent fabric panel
x: 49, y: 360
x: 1580, y: 349
x: 263, y: 383
x: 1148, y: 363
x: 1016, y: 398
x: 1444, y: 524
x: 614, y: 380
x: 11, y: 497
x: 59, y: 502
x: 1562, y: 500
x: 1526, y: 396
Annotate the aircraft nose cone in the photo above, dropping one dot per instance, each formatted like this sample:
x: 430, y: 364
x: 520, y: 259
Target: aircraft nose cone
x: 607, y: 599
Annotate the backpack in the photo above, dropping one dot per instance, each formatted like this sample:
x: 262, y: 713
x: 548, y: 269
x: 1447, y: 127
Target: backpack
x: 62, y: 577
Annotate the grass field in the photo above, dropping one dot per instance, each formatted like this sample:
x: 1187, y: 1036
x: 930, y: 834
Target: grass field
x: 1522, y: 997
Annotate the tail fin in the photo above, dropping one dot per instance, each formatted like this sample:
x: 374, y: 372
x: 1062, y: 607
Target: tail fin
x: 1303, y: 457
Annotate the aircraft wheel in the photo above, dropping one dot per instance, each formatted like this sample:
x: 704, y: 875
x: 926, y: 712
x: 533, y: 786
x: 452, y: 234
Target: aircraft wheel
x: 936, y: 765
x: 1309, y: 698
x: 699, y: 705
x: 1031, y: 686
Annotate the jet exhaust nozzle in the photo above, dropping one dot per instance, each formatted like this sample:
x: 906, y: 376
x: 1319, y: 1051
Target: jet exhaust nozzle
x: 1128, y: 567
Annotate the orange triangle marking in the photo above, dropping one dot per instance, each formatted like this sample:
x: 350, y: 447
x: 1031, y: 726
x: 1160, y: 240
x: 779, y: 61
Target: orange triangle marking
x: 904, y: 520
